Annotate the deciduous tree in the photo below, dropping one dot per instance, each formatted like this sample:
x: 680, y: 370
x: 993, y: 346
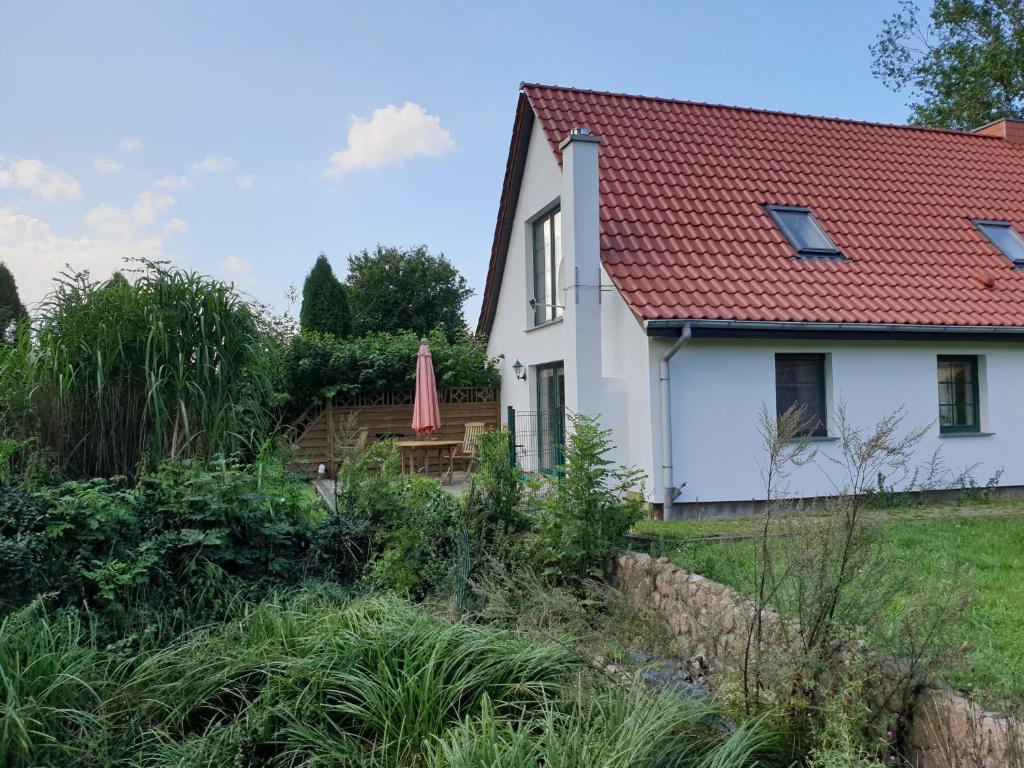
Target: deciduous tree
x: 962, y: 67
x: 391, y: 289
x: 11, y: 308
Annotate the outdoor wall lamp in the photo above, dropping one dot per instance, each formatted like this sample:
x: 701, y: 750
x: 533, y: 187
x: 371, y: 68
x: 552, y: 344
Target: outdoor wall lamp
x: 519, y: 370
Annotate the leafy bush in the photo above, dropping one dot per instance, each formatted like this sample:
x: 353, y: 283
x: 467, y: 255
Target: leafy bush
x: 588, y: 509
x: 321, y: 366
x: 397, y: 529
x: 418, y: 553
x: 184, y: 537
x: 171, y: 365
x: 22, y: 550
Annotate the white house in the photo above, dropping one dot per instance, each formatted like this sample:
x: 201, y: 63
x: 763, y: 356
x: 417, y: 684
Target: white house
x: 674, y: 267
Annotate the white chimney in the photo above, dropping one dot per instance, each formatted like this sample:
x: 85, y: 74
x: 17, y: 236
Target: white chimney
x: 581, y: 251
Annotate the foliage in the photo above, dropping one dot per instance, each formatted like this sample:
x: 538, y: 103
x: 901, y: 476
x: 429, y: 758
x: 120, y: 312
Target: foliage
x: 589, y: 508
x: 394, y: 290
x: 608, y: 728
x: 11, y: 308
x: 418, y: 551
x: 324, y: 302
x: 171, y: 366
x: 962, y: 68
x: 186, y: 536
x: 50, y: 675
x: 321, y: 366
x: 844, y: 717
x: 374, y: 682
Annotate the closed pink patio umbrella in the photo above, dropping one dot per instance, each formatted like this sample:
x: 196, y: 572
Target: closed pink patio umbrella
x: 426, y: 412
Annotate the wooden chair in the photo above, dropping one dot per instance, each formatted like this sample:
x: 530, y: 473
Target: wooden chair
x: 470, y: 448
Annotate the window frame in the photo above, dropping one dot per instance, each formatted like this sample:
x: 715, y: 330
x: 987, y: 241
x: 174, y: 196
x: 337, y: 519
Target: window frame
x: 546, y: 309
x: 821, y: 359
x: 813, y: 253
x: 973, y: 361
x: 980, y: 224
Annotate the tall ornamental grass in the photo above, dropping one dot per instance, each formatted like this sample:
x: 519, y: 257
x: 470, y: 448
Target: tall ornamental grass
x: 374, y: 683
x: 167, y: 365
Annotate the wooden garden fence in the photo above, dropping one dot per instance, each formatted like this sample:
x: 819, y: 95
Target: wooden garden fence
x: 384, y: 416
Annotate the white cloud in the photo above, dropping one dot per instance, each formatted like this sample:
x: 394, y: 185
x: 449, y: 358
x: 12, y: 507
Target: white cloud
x: 173, y: 182
x: 235, y: 266
x: 130, y: 144
x: 176, y: 227
x: 112, y: 221
x: 108, y: 165
x: 391, y: 135
x: 246, y: 181
x: 38, y: 179
x: 212, y: 164
x: 35, y: 254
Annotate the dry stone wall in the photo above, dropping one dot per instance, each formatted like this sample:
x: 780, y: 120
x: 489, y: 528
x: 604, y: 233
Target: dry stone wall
x: 710, y: 623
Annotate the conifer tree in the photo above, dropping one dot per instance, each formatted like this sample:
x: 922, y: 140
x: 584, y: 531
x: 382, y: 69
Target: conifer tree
x: 324, y: 301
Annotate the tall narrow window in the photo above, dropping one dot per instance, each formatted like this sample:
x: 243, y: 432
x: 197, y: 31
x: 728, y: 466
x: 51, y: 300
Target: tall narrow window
x: 958, y: 394
x: 800, y: 383
x: 547, y: 258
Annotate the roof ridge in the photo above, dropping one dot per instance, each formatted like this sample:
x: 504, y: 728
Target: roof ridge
x: 758, y: 110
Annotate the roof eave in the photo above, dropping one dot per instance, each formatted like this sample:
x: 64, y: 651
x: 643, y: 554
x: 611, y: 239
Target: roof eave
x: 752, y: 329
x: 514, y: 166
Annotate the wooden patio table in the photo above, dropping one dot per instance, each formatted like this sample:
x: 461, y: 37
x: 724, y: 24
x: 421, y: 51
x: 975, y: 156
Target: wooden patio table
x: 410, y: 449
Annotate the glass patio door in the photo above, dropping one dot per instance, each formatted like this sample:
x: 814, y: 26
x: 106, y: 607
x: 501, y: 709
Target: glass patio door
x: 550, y: 415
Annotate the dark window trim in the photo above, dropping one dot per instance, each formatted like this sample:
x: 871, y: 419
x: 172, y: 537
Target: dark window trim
x: 821, y: 430
x: 547, y: 218
x: 979, y: 225
x: 973, y: 361
x: 813, y: 253
x: 557, y: 448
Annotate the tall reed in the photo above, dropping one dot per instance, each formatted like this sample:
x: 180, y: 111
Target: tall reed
x: 167, y: 365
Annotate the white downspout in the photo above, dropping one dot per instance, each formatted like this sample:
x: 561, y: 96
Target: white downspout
x: 670, y: 489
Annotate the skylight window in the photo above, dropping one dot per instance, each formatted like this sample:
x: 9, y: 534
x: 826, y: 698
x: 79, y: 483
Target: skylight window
x: 1005, y: 238
x: 803, y: 231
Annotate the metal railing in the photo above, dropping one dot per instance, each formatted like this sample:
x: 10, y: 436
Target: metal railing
x: 536, y: 439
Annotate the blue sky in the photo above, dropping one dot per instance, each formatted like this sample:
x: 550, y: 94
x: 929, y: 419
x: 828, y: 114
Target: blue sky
x: 204, y: 132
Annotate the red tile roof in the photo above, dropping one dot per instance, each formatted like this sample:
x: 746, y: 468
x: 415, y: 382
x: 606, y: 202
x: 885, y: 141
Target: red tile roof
x: 684, y: 232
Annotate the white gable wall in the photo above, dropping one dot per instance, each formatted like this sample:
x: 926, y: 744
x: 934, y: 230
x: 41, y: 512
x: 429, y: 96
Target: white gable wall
x: 512, y: 333
x: 718, y: 388
x: 622, y: 392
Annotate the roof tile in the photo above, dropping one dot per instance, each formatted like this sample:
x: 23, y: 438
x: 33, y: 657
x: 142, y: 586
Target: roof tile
x: 684, y: 233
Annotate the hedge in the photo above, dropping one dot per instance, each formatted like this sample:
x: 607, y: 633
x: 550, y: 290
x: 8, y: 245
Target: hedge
x: 321, y: 366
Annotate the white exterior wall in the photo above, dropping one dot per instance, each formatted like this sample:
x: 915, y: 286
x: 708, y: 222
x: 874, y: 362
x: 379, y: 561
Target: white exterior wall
x: 621, y: 394
x: 512, y: 332
x: 718, y: 388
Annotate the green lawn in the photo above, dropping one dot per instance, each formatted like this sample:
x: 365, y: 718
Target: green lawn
x: 986, y: 539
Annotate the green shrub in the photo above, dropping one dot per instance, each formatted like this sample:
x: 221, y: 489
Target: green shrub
x: 591, y: 505
x: 22, y: 547
x: 320, y: 366
x: 187, y: 537
x: 418, y: 554
x: 397, y: 529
